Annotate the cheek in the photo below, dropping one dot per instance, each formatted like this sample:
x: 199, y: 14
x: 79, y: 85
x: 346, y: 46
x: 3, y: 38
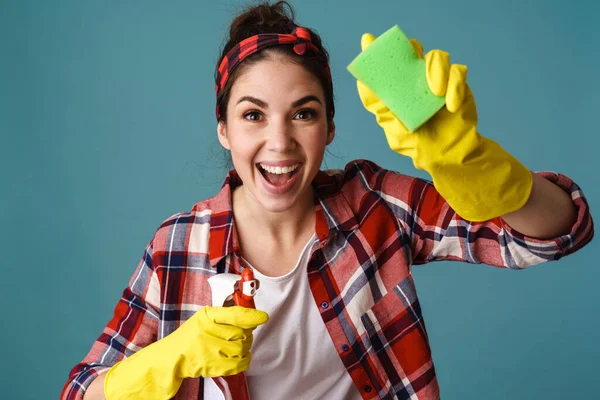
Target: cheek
x: 242, y: 150
x: 318, y: 141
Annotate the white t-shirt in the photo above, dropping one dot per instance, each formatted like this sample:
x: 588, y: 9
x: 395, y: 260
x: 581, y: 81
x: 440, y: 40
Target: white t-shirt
x: 293, y: 356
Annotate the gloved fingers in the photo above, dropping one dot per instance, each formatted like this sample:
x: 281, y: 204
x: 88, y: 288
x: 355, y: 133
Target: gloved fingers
x: 418, y: 47
x: 234, y: 365
x: 457, y: 84
x: 246, y: 345
x: 367, y: 97
x: 233, y: 349
x: 437, y: 66
x: 366, y: 40
x: 226, y: 332
x: 221, y: 366
x: 241, y: 317
x: 398, y: 137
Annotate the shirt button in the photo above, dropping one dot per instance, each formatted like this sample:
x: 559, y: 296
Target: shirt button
x: 325, y: 304
x: 345, y: 347
x: 367, y: 388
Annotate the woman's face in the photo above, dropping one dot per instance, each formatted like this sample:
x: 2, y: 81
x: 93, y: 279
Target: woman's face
x: 277, y: 132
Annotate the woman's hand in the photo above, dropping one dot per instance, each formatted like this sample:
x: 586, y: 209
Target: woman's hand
x: 476, y: 176
x: 215, y: 341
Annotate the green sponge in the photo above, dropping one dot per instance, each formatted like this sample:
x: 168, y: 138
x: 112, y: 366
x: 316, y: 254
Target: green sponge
x: 392, y: 70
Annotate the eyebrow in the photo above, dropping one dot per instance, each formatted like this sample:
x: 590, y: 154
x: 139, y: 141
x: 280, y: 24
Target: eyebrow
x: 254, y: 100
x: 297, y: 103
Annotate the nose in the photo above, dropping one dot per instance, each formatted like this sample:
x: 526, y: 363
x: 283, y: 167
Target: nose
x: 279, y: 136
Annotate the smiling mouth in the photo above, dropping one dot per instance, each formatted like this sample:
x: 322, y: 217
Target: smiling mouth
x: 277, y: 179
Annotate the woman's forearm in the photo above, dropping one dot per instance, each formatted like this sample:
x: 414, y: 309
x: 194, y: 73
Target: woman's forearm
x: 96, y: 389
x: 548, y: 213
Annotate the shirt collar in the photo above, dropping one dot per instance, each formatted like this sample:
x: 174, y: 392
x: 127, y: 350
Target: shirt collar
x: 331, y: 207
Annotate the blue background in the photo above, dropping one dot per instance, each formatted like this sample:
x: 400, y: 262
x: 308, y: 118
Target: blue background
x: 107, y: 128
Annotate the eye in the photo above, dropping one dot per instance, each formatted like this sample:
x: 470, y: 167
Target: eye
x: 253, y: 116
x: 307, y: 114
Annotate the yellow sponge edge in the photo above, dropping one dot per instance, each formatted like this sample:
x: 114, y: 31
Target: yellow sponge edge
x: 392, y: 70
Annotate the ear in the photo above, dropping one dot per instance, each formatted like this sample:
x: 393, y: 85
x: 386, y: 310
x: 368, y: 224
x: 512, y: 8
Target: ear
x: 331, y: 133
x: 222, y: 134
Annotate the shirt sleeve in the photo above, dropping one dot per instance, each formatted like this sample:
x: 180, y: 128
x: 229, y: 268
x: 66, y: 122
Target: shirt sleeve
x: 436, y: 232
x: 133, y: 326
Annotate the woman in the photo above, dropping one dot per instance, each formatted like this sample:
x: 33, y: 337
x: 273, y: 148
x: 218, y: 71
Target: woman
x: 337, y: 311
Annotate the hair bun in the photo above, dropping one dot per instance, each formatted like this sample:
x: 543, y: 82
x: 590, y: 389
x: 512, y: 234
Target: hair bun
x: 262, y: 18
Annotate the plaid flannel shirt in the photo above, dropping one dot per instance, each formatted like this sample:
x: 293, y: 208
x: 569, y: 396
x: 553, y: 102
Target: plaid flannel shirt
x: 372, y: 225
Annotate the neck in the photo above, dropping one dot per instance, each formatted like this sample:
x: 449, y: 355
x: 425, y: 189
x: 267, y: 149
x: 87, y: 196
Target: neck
x: 283, y: 228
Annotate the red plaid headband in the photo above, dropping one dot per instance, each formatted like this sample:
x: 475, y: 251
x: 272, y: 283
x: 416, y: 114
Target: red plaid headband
x: 300, y: 38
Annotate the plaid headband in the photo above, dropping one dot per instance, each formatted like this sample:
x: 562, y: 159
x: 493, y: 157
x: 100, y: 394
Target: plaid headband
x: 300, y: 38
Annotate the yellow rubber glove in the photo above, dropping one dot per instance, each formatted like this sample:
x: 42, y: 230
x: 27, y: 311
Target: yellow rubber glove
x: 215, y: 341
x: 476, y: 176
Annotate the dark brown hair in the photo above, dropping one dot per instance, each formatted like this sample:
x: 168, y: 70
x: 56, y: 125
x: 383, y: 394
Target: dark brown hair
x: 274, y: 18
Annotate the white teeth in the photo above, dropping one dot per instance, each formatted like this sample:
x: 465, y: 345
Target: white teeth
x: 279, y: 170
